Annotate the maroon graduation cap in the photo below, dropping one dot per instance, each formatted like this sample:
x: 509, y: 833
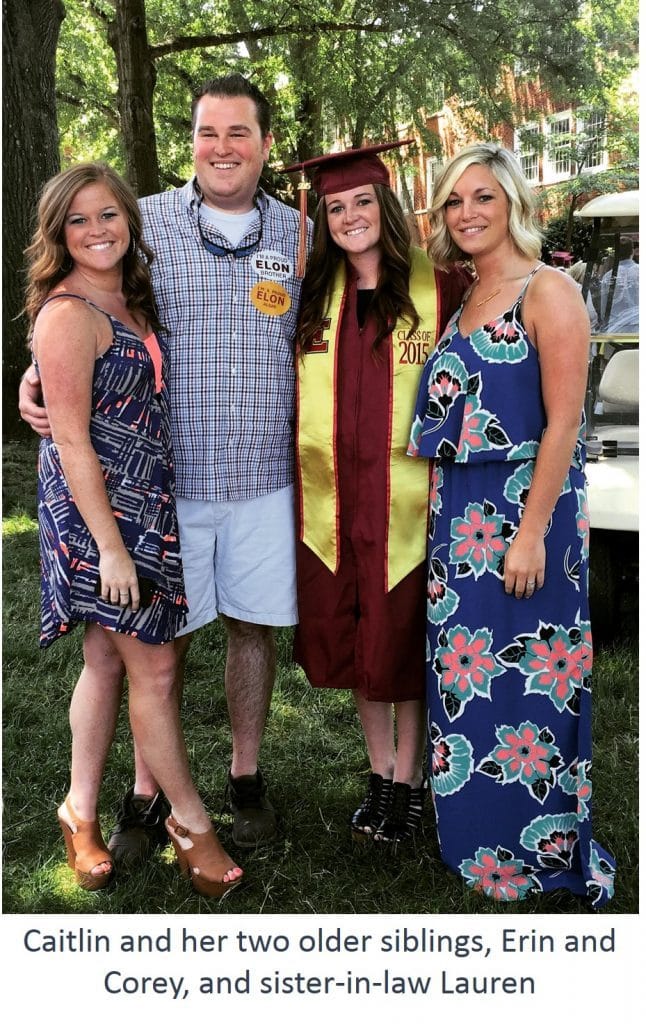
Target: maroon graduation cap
x: 338, y: 172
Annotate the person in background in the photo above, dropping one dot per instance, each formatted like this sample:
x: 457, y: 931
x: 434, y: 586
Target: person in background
x: 622, y: 316
x: 225, y: 283
x: 110, y: 557
x: 577, y: 273
x: 499, y: 411
x: 370, y: 312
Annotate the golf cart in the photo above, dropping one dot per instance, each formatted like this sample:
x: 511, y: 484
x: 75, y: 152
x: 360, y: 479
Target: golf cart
x: 610, y: 290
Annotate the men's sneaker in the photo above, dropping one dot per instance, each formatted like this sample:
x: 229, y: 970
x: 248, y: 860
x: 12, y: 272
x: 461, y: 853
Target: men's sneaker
x: 254, y: 818
x: 139, y: 830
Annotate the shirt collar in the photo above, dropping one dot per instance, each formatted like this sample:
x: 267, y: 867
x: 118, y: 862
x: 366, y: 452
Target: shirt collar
x: 193, y: 194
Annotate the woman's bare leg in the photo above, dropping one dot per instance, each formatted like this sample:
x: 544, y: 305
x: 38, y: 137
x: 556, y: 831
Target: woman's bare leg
x: 410, y: 716
x: 378, y: 727
x: 94, y: 710
x: 155, y: 721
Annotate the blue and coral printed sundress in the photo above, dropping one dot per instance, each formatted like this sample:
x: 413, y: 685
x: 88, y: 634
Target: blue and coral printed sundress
x: 130, y: 432
x: 508, y: 680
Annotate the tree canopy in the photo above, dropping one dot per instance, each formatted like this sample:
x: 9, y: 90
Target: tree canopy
x: 113, y: 80
x: 331, y: 68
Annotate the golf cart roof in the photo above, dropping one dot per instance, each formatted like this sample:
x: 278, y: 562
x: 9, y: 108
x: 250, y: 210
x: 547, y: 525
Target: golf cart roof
x: 612, y: 204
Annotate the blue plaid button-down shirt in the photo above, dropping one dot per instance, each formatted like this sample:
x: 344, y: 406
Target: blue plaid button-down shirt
x: 232, y: 377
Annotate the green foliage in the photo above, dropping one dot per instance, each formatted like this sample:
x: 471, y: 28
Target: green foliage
x: 567, y: 232
x: 556, y: 238
x: 86, y: 90
x: 587, y: 185
x: 334, y: 69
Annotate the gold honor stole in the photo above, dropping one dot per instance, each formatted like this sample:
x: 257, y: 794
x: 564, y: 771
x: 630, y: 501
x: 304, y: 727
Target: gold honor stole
x: 407, y: 481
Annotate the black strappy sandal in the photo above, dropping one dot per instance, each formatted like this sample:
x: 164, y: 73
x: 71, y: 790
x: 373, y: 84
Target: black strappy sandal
x: 370, y: 813
x: 403, y: 816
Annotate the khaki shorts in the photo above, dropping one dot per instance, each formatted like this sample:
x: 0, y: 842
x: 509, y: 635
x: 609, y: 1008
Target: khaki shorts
x: 239, y: 559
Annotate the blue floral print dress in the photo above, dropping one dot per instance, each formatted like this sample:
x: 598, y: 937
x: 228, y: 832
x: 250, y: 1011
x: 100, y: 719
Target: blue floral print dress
x: 508, y: 680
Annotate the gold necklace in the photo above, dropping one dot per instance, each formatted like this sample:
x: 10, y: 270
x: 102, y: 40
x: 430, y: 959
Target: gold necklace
x: 490, y: 296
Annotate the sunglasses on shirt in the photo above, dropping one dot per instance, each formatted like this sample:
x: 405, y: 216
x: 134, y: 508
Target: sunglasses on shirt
x: 239, y: 251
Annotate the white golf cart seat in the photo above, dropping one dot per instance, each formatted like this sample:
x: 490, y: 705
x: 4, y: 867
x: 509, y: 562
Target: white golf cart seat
x: 619, y: 386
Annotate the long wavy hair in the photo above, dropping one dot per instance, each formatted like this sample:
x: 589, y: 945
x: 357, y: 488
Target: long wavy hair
x: 49, y: 262
x: 501, y: 162
x: 391, y: 300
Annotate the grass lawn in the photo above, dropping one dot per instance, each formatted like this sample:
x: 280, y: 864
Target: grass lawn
x: 313, y: 756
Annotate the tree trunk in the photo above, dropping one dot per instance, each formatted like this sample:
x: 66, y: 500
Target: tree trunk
x: 308, y: 118
x: 128, y: 38
x: 569, y: 231
x: 30, y: 155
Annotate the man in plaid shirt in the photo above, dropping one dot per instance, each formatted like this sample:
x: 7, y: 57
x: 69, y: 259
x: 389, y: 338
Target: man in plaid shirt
x: 225, y: 284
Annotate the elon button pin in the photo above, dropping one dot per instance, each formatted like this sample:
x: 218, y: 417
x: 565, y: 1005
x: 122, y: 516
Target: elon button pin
x: 271, y: 298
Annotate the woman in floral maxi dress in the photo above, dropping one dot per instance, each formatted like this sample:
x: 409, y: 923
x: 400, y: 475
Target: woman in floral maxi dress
x: 509, y: 651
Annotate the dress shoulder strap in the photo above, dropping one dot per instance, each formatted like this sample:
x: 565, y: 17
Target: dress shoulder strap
x: 73, y: 295
x: 527, y: 281
x: 114, y: 320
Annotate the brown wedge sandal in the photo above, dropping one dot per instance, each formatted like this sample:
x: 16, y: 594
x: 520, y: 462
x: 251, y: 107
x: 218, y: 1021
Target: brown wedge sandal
x: 85, y: 849
x: 205, y: 862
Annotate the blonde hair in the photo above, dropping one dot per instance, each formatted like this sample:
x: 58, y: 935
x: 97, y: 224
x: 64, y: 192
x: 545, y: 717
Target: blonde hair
x: 48, y: 261
x: 577, y: 271
x: 523, y: 228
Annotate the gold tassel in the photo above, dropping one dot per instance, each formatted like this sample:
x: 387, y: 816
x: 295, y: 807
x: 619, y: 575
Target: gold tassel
x: 303, y: 188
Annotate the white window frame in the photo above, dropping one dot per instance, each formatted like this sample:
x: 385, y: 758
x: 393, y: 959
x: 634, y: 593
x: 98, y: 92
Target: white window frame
x: 408, y: 175
x: 597, y: 119
x: 551, y: 170
x: 432, y: 167
x: 526, y: 152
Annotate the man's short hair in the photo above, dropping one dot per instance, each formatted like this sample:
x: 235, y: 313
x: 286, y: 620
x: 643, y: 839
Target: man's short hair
x: 232, y: 86
x: 625, y: 247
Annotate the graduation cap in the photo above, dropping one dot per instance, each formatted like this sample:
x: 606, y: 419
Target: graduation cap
x: 338, y: 172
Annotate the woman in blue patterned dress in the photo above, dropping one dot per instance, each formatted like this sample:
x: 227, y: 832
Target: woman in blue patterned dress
x: 108, y: 530
x: 509, y: 652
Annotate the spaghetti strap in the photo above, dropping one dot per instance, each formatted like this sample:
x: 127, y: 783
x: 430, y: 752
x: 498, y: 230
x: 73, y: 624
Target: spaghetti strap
x: 73, y: 295
x: 528, y: 279
x: 512, y: 310
x: 150, y: 342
